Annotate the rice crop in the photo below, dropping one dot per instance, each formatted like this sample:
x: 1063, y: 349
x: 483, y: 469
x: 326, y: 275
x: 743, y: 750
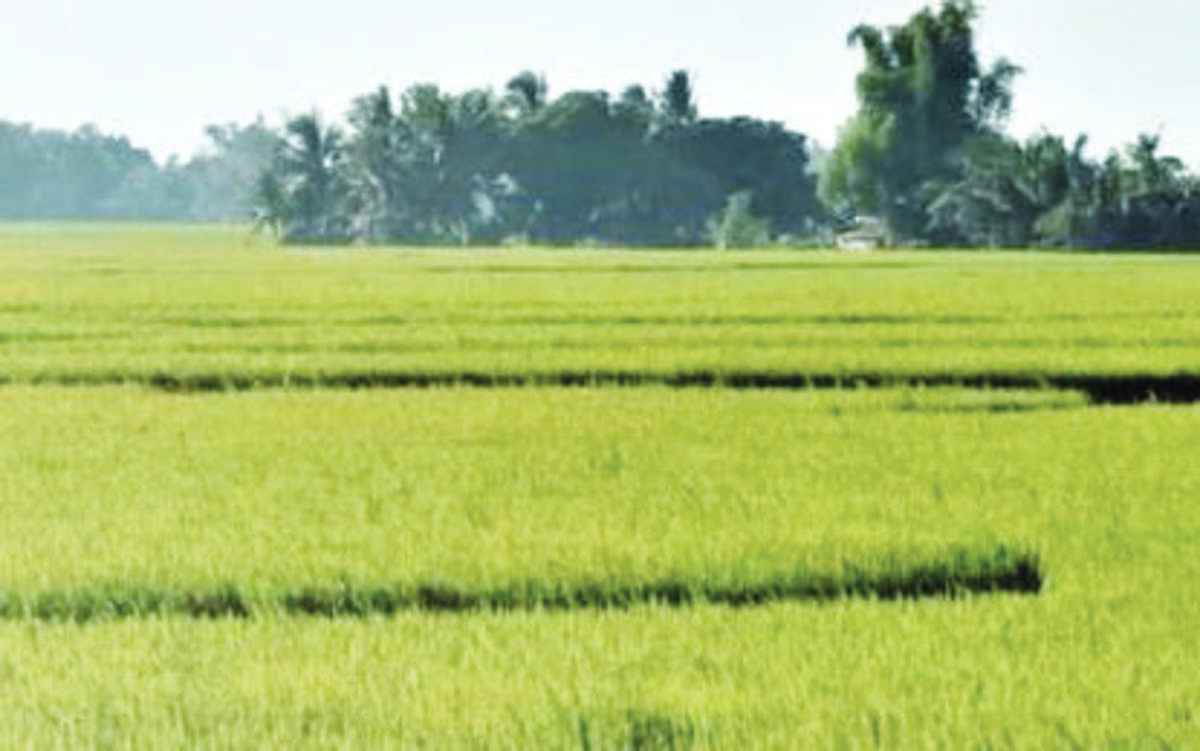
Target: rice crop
x: 206, y: 309
x: 332, y: 502
x: 554, y: 499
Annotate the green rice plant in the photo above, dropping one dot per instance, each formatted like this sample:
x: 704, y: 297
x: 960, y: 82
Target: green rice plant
x: 162, y: 545
x: 340, y: 503
x: 1022, y: 672
x: 209, y: 308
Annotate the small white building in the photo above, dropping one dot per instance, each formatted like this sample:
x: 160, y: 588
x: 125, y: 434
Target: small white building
x: 867, y: 234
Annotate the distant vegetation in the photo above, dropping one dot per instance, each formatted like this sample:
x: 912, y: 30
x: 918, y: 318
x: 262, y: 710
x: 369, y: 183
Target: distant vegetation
x: 477, y: 167
x: 49, y: 174
x: 926, y: 153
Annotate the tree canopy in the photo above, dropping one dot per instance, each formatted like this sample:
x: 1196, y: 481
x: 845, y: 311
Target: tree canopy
x: 86, y: 174
x: 923, y: 96
x: 431, y: 166
x: 927, y: 153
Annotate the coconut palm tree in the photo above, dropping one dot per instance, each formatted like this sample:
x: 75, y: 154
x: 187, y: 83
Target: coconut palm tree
x: 303, y: 194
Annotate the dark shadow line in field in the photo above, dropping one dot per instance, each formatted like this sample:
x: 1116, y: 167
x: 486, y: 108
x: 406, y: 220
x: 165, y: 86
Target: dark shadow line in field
x: 123, y: 602
x: 865, y: 319
x: 1100, y: 389
x: 559, y: 344
x: 999, y: 407
x: 960, y: 575
x: 546, y: 321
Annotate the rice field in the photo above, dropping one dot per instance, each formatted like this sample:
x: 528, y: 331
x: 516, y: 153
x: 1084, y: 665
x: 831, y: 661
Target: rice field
x: 206, y: 307
x: 520, y: 498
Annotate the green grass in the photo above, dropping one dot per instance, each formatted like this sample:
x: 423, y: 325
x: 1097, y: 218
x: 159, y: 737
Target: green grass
x: 1035, y: 673
x: 272, y: 491
x: 466, y: 499
x: 136, y: 304
x: 537, y: 567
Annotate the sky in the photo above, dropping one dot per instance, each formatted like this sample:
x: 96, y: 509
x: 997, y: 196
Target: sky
x: 159, y: 71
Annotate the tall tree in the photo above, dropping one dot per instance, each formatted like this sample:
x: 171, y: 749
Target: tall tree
x: 577, y: 160
x: 922, y: 96
x: 677, y: 103
x: 306, y: 193
x: 526, y: 93
x: 634, y: 109
x: 378, y: 170
x: 762, y: 159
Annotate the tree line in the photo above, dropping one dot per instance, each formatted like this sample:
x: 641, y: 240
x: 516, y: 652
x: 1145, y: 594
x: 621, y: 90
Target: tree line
x: 429, y: 166
x: 51, y: 174
x: 926, y: 157
x: 927, y: 153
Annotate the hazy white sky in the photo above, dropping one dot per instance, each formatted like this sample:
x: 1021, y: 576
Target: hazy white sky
x: 159, y: 70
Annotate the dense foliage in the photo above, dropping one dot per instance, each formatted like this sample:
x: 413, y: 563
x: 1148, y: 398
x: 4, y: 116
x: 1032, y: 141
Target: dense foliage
x: 926, y: 152
x: 1046, y: 192
x: 477, y: 167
